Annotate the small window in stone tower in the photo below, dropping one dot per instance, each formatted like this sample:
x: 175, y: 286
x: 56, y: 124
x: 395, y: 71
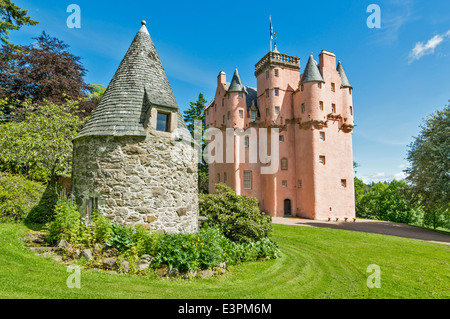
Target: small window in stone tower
x: 276, y: 92
x: 276, y: 73
x: 267, y: 93
x: 241, y: 114
x: 267, y: 112
x: 322, y: 136
x: 343, y: 183
x: 247, y: 179
x: 283, y: 183
x: 281, y: 137
x: 303, y: 107
x: 218, y: 178
x: 277, y: 110
x: 229, y: 115
x: 351, y: 110
x: 332, y: 87
x: 321, y: 105
x: 302, y: 87
x: 333, y: 108
x: 267, y: 74
x: 91, y: 206
x: 350, y: 91
x: 253, y: 115
x: 246, y: 141
x: 322, y: 159
x: 299, y: 183
x: 162, y: 122
x: 240, y: 95
x: 284, y: 164
x: 319, y: 85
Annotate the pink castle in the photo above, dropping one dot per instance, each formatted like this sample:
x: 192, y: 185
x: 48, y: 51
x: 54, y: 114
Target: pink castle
x: 313, y: 112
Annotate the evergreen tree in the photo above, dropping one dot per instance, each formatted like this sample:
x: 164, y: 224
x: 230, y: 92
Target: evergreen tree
x: 12, y: 17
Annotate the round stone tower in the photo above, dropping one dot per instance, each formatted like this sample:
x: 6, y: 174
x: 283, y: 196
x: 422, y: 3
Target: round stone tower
x: 133, y: 161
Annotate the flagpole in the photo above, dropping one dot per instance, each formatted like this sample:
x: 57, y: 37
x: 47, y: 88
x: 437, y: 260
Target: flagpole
x: 270, y: 42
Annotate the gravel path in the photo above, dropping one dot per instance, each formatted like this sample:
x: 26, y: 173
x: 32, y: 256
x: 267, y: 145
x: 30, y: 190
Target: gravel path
x: 369, y: 226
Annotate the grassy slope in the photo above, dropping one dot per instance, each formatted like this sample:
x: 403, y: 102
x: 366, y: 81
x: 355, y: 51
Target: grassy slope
x: 316, y: 263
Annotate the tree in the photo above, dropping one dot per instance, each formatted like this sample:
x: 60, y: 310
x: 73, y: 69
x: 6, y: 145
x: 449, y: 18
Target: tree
x: 42, y: 71
x: 429, y: 171
x: 12, y: 17
x: 195, y: 120
x: 38, y: 143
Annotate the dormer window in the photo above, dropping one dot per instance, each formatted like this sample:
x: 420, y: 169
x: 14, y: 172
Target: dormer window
x: 162, y: 122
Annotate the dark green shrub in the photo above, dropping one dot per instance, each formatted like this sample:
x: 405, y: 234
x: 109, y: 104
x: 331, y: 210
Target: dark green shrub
x: 238, y: 217
x: 18, y: 196
x: 146, y: 241
x: 102, y: 228
x: 120, y: 237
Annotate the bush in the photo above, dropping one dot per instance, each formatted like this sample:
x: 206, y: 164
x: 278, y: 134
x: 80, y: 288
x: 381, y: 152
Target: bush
x: 18, y: 197
x: 120, y: 237
x: 146, y: 241
x: 67, y: 223
x: 102, y: 228
x: 238, y: 217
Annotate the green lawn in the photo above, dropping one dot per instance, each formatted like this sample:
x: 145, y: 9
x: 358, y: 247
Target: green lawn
x: 315, y: 263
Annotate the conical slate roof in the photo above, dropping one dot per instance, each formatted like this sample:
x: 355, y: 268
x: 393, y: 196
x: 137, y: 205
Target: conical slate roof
x: 344, y: 80
x: 138, y: 84
x: 236, y: 84
x: 312, y: 72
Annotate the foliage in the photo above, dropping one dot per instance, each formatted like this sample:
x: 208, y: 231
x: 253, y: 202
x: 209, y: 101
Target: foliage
x: 146, y: 241
x: 18, y: 197
x: 39, y: 144
x: 387, y: 202
x: 102, y: 228
x: 238, y: 217
x: 120, y: 237
x: 194, y: 117
x: 430, y: 166
x: 67, y: 223
x: 12, y: 17
x: 43, y: 70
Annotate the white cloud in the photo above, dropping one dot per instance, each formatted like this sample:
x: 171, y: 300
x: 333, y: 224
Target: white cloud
x: 381, y: 177
x: 422, y: 48
x: 402, y: 166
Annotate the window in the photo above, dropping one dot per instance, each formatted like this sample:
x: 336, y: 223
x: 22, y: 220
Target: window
x: 229, y: 115
x: 322, y: 136
x: 321, y: 105
x: 218, y: 178
x: 267, y: 74
x: 322, y: 159
x: 284, y: 164
x: 241, y: 114
x: 246, y: 141
x: 303, y: 107
x: 91, y: 205
x: 267, y: 112
x: 350, y: 91
x: 319, y: 85
x: 277, y: 110
x: 247, y: 179
x: 276, y: 72
x: 240, y: 94
x: 343, y: 183
x: 302, y: 87
x: 162, y: 122
x: 281, y: 138
x: 215, y: 107
x: 267, y: 93
x: 283, y: 183
x: 333, y: 108
x: 253, y: 115
x: 225, y: 178
x: 223, y: 119
x: 351, y: 110
x: 299, y: 183
x: 332, y: 87
x: 277, y: 92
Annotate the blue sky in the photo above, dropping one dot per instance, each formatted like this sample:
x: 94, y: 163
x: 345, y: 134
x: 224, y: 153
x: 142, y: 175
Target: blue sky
x: 399, y: 72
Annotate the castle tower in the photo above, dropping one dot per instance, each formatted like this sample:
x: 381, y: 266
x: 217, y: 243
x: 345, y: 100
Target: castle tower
x: 126, y: 162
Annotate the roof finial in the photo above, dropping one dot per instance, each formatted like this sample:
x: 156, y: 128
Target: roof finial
x: 143, y: 22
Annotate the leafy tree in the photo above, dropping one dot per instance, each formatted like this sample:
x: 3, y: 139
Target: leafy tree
x: 38, y: 143
x: 12, y: 17
x: 429, y: 171
x: 44, y: 70
x: 195, y: 120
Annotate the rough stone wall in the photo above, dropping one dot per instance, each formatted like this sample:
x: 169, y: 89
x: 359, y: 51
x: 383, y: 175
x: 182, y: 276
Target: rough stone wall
x: 150, y: 181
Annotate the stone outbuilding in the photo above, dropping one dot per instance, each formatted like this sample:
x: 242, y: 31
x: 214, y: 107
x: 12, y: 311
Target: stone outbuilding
x: 133, y: 161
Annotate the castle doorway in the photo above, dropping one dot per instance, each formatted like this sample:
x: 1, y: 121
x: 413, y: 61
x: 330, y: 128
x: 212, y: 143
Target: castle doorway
x: 287, y: 207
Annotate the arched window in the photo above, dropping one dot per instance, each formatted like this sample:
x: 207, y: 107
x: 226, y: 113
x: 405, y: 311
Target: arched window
x: 284, y: 164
